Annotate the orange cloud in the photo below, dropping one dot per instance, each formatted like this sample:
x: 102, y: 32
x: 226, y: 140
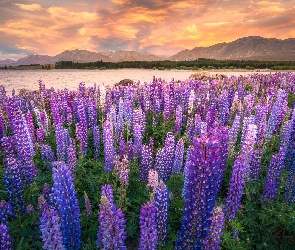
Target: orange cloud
x: 29, y: 7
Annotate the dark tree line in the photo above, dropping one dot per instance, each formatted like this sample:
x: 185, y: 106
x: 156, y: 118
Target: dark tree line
x: 200, y: 63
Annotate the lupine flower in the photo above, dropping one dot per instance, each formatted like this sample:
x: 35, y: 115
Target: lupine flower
x: 167, y: 106
x: 261, y: 131
x: 46, y: 191
x: 109, y: 149
x: 178, y: 120
x: 66, y: 203
x: 178, y: 157
x: 14, y: 185
x: 160, y: 163
x: 273, y: 176
x: 71, y: 156
x: 96, y: 141
x: 189, y: 153
x: 168, y: 156
x: 61, y: 142
x: 223, y: 111
x: 2, y: 127
x: 50, y: 228
x: 122, y: 147
x: 137, y: 136
x: 30, y: 209
x: 211, y: 115
x: 30, y: 123
x: 88, y: 206
x: 40, y: 134
x: 161, y: 204
x: 248, y: 143
x: 235, y: 191
x: 92, y: 113
x: 111, y: 223
x: 42, y: 203
x: 233, y: 134
x: 5, y: 211
x: 121, y: 169
x: 5, y: 238
x: 46, y: 153
x: 255, y: 163
x: 213, y: 238
x: 153, y: 179
x: 148, y: 227
x: 203, y: 180
x: 146, y: 162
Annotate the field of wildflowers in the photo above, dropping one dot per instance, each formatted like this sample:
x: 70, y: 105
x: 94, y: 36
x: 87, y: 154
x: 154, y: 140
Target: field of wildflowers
x: 197, y: 164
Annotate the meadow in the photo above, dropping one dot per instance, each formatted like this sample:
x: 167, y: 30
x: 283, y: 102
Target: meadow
x: 195, y: 164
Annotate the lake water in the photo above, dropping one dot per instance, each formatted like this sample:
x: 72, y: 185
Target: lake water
x: 60, y: 79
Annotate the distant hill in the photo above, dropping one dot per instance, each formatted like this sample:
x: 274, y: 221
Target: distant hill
x: 247, y: 48
x: 83, y: 56
x: 121, y: 56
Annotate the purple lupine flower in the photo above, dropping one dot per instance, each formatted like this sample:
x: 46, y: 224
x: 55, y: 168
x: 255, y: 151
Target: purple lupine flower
x: 82, y: 127
x: 168, y: 156
x: 235, y: 191
x: 96, y: 141
x: 189, y: 153
x: 128, y: 109
x: 71, y: 156
x: 5, y: 238
x: 2, y: 127
x: 146, y: 162
x: 111, y: 222
x: 211, y: 115
x: 178, y: 157
x: 69, y: 117
x: 223, y: 111
x: 261, y: 133
x: 88, y: 206
x: 178, y: 120
x: 109, y: 149
x: 190, y: 128
x: 255, y: 163
x: 233, y: 133
x: 161, y: 204
x: 61, y: 144
x: 204, y: 173
x: 40, y: 134
x: 23, y: 142
x: 8, y: 145
x: 92, y: 113
x: 148, y: 227
x: 122, y: 147
x: 14, y: 184
x: 122, y: 169
x: 42, y: 203
x: 120, y: 119
x: 46, y: 191
x: 248, y: 143
x: 55, y: 110
x: 129, y: 147
x: 137, y: 137
x: 273, y: 176
x: 50, y: 228
x: 277, y: 110
x: 30, y: 209
x: 66, y: 203
x: 213, y: 238
x: 167, y: 106
x: 31, y: 128
x: 160, y: 164
x: 5, y: 211
x: 82, y: 137
x: 46, y: 153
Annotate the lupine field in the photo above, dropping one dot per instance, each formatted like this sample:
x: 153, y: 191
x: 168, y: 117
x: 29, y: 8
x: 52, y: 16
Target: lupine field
x: 198, y: 164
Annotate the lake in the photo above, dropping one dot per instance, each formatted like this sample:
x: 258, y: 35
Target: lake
x: 70, y: 78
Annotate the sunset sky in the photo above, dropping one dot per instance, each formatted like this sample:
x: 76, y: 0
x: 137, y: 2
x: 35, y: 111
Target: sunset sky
x: 162, y: 27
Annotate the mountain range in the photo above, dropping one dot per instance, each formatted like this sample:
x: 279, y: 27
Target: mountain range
x: 246, y: 48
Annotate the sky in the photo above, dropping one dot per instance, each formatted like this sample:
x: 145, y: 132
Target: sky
x: 162, y: 27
